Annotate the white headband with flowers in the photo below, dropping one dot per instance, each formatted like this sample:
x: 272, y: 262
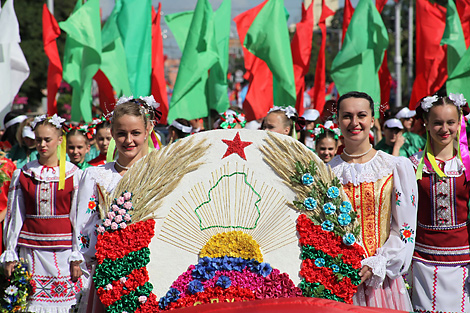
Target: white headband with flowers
x: 458, y: 99
x: 55, y: 120
x: 288, y: 111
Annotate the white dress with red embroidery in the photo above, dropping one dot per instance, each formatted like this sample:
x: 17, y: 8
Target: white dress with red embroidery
x: 384, y: 193
x: 39, y: 224
x: 441, y: 259
x: 106, y: 177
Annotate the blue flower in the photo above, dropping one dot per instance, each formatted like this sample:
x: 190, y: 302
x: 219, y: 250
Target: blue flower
x: 345, y: 207
x: 320, y: 262
x: 224, y: 282
x: 163, y: 302
x: 227, y: 263
x: 327, y: 225
x: 23, y: 280
x: 239, y: 264
x: 265, y: 269
x: 307, y: 179
x: 335, y: 268
x: 195, y: 286
x: 172, y: 295
x: 209, y: 272
x: 217, y: 263
x: 344, y: 219
x: 253, y: 265
x: 310, y: 203
x: 349, y: 239
x: 205, y: 261
x: 198, y: 272
x: 332, y: 192
x: 329, y: 208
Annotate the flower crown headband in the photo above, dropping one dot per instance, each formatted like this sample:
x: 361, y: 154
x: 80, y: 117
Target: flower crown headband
x: 289, y: 111
x: 179, y: 126
x: 458, y: 100
x: 84, y: 129
x: 150, y: 101
x: 329, y: 126
x: 55, y: 120
x: 230, y: 119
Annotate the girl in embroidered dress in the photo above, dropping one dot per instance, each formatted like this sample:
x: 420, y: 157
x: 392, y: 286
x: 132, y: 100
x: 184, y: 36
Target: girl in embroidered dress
x: 78, y: 145
x: 131, y: 124
x: 40, y: 221
x: 382, y: 188
x: 441, y: 259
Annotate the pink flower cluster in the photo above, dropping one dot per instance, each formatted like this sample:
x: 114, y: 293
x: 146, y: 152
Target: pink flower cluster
x: 118, y: 216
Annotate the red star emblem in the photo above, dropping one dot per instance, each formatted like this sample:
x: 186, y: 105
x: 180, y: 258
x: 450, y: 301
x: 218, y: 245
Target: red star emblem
x: 236, y: 146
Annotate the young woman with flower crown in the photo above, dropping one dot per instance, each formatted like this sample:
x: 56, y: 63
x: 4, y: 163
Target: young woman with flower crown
x: 131, y: 123
x: 441, y: 259
x: 382, y: 188
x: 40, y: 221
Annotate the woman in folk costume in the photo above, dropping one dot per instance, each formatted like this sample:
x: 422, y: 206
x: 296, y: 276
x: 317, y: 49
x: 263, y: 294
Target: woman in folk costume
x: 442, y: 254
x: 383, y: 190
x: 40, y: 221
x: 131, y: 125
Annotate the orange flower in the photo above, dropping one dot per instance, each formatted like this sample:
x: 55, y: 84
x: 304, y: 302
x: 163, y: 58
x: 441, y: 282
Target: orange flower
x: 91, y: 205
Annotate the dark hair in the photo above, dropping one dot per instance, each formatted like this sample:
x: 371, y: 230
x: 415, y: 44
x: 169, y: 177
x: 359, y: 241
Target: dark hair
x: 10, y: 132
x: 76, y: 132
x: 105, y: 124
x: 134, y: 107
x: 440, y: 101
x: 356, y: 94
x: 179, y: 132
x: 326, y: 133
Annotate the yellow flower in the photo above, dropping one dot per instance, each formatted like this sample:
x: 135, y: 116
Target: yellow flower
x: 234, y: 244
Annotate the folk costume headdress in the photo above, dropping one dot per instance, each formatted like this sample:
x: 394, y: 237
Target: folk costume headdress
x: 428, y: 158
x: 57, y: 122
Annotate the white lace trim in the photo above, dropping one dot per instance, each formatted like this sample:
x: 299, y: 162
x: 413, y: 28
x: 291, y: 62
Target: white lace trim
x: 49, y: 309
x: 378, y: 265
x: 36, y: 170
x: 75, y: 256
x: 105, y: 175
x: 381, y: 165
x: 452, y: 168
x: 8, y: 256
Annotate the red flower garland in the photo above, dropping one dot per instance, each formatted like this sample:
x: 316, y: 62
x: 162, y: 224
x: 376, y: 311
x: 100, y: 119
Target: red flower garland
x: 150, y: 306
x: 326, y: 241
x: 136, y: 278
x: 117, y: 244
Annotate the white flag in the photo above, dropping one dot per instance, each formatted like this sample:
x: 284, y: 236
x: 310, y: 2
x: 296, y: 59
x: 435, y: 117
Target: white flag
x: 14, y: 69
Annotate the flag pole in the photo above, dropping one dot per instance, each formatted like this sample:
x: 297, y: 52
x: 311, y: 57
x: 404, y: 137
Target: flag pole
x: 50, y: 5
x: 398, y: 59
x: 409, y: 83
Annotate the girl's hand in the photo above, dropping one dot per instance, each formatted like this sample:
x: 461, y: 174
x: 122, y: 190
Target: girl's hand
x: 365, y: 273
x: 9, y: 267
x: 75, y: 270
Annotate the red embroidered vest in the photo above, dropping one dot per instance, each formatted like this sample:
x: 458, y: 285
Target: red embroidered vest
x: 47, y: 223
x: 442, y: 235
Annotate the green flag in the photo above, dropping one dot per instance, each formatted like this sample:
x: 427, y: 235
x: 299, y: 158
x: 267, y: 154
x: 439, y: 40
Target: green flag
x: 113, y: 56
x: 268, y: 39
x: 135, y: 25
x: 356, y: 66
x: 217, y: 85
x: 199, y: 55
x: 453, y: 37
x: 83, y: 27
x: 179, y: 24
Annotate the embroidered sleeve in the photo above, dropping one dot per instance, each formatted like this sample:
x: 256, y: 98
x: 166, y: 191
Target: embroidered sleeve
x: 76, y: 255
x: 16, y: 214
x: 87, y: 215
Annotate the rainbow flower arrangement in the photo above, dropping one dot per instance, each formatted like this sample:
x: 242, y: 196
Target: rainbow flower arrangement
x: 327, y: 236
x: 14, y: 291
x: 121, y: 276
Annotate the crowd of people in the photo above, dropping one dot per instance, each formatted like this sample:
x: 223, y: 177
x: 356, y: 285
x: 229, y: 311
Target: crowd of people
x: 405, y: 174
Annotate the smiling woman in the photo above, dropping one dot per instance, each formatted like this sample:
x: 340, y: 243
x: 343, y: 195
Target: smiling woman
x: 131, y: 123
x: 382, y: 189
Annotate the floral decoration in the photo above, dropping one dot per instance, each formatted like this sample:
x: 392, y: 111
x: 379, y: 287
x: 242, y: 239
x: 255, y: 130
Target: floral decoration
x: 229, y: 280
x: 92, y: 205
x: 406, y: 233
x: 232, y: 244
x: 397, y: 197
x: 310, y: 203
x: 14, y: 291
x: 122, y: 254
x: 327, y: 236
x: 118, y: 216
x: 307, y: 179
